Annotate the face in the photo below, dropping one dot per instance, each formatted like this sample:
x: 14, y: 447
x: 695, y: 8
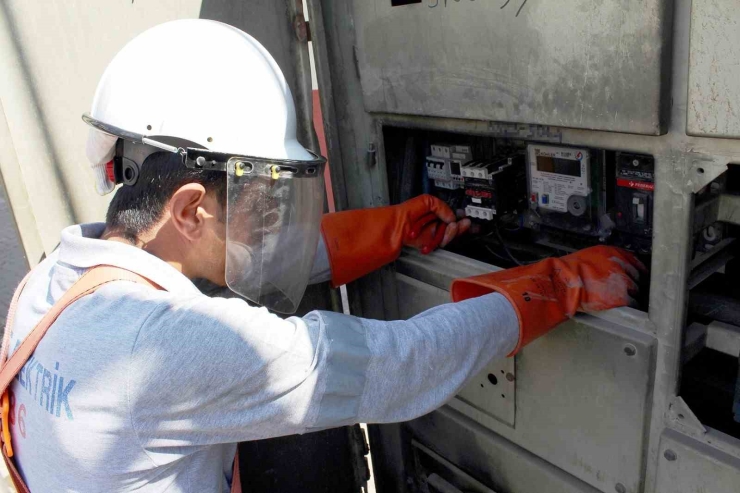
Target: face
x: 193, y: 234
x: 212, y: 246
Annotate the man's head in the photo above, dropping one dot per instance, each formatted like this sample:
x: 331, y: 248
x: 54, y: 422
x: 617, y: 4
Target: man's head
x: 241, y: 122
x: 175, y: 213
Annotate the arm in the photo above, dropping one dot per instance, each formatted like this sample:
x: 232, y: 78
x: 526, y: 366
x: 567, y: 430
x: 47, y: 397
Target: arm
x: 218, y: 371
x: 363, y: 240
x: 357, y: 242
x: 408, y: 368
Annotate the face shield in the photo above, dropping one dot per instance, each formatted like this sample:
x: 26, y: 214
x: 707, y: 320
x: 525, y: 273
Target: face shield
x: 273, y: 216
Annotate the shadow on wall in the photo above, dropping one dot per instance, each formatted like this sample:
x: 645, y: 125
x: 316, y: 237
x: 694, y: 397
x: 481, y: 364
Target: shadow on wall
x: 13, y: 263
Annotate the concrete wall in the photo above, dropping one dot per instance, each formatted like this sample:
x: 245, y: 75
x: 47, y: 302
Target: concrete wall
x: 13, y: 264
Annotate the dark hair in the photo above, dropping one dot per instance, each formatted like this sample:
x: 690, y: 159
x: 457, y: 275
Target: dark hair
x: 136, y: 209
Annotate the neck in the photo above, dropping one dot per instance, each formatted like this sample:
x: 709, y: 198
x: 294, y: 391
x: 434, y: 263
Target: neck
x: 150, y: 243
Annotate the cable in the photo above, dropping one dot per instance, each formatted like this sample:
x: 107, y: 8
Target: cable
x: 492, y: 252
x: 506, y: 248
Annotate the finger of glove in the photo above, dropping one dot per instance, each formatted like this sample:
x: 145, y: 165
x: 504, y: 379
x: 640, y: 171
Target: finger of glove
x: 629, y: 258
x: 463, y: 226
x: 432, y: 237
x: 439, y: 208
x: 454, y: 230
x: 451, y: 231
x: 603, y: 293
x: 600, y: 306
x: 637, y: 263
x: 629, y: 264
x: 420, y: 224
x: 611, y: 258
x: 425, y: 236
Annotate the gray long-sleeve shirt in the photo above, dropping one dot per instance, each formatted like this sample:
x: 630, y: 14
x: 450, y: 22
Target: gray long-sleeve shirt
x: 134, y: 389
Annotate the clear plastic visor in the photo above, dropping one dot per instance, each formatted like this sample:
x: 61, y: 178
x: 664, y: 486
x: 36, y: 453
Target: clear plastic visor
x: 274, y: 211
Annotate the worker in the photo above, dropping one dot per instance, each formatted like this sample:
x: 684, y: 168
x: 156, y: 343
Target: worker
x: 145, y: 384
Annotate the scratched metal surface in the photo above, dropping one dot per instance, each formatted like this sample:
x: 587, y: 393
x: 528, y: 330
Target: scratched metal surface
x: 714, y: 71
x: 688, y: 466
x: 571, y: 63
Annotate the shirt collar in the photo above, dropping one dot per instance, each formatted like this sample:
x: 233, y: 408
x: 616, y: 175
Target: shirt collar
x: 82, y: 247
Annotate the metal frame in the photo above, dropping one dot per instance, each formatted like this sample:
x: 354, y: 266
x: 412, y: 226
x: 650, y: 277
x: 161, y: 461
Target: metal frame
x: 684, y: 165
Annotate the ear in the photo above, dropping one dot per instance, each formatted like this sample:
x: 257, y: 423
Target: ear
x: 184, y: 208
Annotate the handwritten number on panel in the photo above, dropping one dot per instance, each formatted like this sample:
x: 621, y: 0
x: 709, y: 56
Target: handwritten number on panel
x: 505, y: 4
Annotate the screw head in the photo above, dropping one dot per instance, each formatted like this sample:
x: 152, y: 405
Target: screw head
x: 670, y: 455
x: 619, y: 487
x: 630, y: 350
x: 510, y: 377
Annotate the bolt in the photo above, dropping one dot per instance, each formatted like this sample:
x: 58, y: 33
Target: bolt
x: 619, y: 487
x: 510, y: 377
x: 670, y: 455
x: 630, y: 350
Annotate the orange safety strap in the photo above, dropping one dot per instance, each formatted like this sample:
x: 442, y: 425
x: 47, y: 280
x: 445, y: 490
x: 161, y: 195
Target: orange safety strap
x: 87, y: 284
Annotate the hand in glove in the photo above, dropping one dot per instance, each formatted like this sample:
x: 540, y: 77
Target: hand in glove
x: 361, y: 241
x: 552, y: 290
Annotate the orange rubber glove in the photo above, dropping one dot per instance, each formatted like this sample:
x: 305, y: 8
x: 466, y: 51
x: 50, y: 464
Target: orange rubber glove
x: 551, y: 291
x: 363, y: 240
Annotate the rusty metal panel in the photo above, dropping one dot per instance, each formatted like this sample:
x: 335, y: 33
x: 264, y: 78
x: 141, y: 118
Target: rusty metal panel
x: 592, y: 65
x: 690, y: 466
x: 714, y: 69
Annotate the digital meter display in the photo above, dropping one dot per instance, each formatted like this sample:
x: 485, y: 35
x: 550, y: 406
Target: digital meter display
x: 568, y: 167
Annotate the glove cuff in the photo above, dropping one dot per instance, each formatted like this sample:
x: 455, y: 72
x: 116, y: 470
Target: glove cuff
x: 537, y: 313
x: 353, y: 250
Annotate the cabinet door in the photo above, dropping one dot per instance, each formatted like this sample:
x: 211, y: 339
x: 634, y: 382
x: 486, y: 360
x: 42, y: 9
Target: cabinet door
x: 591, y: 65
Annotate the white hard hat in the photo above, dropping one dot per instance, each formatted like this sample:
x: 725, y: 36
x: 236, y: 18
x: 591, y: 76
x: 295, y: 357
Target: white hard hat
x: 201, y: 81
x: 214, y: 96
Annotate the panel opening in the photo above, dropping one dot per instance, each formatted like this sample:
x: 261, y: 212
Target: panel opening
x: 528, y: 200
x: 710, y: 377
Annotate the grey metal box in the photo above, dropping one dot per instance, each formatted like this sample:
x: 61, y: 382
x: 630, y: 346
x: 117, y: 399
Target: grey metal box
x: 593, y: 65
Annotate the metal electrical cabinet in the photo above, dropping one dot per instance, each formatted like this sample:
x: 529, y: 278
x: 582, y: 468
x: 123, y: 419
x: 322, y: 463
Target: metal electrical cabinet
x: 631, y: 400
x: 568, y: 124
